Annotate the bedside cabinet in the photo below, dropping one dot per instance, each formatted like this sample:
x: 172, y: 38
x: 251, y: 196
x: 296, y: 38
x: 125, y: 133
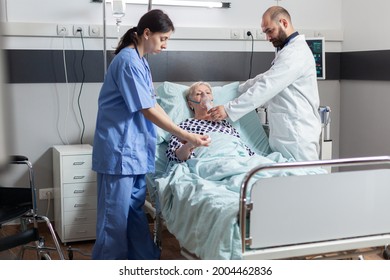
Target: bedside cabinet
x: 75, y: 193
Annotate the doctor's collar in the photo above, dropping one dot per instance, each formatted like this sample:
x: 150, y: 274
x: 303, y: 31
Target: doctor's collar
x: 289, y: 38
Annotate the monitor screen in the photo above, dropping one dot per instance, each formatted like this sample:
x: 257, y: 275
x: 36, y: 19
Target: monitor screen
x: 317, y: 46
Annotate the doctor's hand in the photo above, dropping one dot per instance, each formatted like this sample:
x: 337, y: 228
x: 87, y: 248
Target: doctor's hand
x: 218, y: 113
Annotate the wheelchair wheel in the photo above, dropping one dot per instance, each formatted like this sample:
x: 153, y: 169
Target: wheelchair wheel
x: 45, y: 256
x: 386, y: 253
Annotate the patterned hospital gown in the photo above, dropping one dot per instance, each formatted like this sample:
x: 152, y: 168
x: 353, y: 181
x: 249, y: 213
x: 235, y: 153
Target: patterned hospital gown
x: 200, y: 127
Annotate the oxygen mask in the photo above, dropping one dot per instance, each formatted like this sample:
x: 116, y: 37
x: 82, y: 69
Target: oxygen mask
x: 205, y: 101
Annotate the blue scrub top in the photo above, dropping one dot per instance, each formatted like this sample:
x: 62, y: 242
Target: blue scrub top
x: 125, y: 141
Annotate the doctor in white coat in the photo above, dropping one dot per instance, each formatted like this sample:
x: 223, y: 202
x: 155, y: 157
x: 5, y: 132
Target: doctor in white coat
x: 288, y: 88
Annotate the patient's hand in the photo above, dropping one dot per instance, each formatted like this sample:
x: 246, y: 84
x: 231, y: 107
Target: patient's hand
x: 183, y: 153
x: 218, y: 113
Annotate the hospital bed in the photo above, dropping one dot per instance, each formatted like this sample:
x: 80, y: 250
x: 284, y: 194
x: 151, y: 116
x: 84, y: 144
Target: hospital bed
x: 328, y: 215
x: 278, y: 217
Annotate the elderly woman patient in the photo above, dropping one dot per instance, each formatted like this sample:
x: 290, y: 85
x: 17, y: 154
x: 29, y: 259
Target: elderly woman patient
x: 199, y: 99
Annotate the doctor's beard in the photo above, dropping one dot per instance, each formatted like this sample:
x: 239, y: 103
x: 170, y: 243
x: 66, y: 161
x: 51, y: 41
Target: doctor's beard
x: 279, y: 41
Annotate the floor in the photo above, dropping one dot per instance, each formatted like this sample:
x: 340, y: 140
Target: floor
x: 82, y: 250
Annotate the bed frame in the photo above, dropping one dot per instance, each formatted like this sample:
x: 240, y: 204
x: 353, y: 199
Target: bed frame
x: 321, y: 215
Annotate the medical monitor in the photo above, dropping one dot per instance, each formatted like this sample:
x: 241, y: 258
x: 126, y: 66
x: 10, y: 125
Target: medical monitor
x: 317, y: 47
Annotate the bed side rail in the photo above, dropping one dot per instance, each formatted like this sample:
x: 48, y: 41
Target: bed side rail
x: 244, y: 204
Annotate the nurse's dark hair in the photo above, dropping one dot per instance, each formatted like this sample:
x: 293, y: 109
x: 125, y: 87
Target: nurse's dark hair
x: 155, y: 20
x: 276, y: 11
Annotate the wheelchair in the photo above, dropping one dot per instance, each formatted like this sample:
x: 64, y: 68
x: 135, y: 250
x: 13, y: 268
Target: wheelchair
x: 18, y: 203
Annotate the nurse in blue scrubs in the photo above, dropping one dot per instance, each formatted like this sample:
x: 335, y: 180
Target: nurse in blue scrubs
x: 125, y: 142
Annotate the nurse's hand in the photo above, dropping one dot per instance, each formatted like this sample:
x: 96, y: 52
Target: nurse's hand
x: 218, y: 113
x: 197, y: 140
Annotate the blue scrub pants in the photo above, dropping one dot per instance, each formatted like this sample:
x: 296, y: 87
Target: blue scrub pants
x: 122, y: 230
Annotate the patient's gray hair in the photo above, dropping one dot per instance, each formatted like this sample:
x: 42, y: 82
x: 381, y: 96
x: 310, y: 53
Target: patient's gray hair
x: 193, y: 87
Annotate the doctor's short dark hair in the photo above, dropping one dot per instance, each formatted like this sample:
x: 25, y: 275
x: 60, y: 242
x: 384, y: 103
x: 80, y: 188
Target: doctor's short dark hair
x: 155, y: 20
x: 276, y: 12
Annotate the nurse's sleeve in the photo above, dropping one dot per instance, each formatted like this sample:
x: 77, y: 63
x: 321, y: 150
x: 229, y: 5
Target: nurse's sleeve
x: 283, y: 73
x: 134, y: 89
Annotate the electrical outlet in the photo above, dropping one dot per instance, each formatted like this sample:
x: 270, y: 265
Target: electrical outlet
x: 236, y: 34
x: 252, y: 31
x: 94, y: 31
x: 43, y: 193
x: 260, y: 35
x: 78, y: 29
x: 63, y: 30
x: 318, y: 34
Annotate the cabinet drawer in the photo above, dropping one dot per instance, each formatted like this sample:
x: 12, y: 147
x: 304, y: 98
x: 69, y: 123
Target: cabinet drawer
x: 80, y: 189
x: 78, y: 175
x: 80, y: 231
x: 80, y: 203
x: 77, y: 162
x: 80, y: 217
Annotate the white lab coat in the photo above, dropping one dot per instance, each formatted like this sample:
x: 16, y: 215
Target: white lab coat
x: 289, y: 88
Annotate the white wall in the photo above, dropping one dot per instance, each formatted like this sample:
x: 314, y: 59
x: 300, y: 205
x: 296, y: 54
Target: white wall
x: 39, y: 110
x: 364, y: 115
x: 364, y: 127
x: 365, y: 118
x: 315, y: 13
x: 318, y: 18
x: 365, y: 25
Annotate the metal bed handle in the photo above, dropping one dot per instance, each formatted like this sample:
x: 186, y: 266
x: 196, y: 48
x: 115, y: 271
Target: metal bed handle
x: 284, y: 165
